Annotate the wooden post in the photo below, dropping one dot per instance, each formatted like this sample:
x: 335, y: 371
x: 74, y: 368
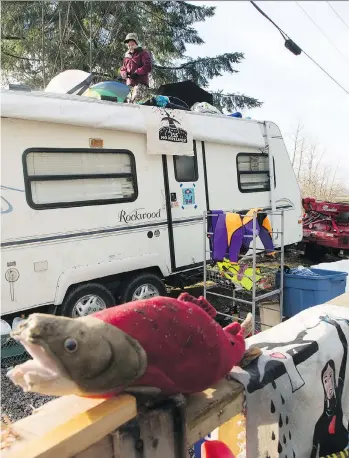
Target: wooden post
x: 152, y: 436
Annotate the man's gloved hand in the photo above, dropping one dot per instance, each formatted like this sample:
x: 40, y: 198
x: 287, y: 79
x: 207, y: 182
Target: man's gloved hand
x: 134, y: 76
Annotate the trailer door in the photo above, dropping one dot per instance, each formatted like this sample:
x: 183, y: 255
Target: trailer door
x: 186, y: 201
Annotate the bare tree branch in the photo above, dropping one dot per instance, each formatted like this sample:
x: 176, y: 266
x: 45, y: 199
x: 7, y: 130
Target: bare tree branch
x: 9, y: 37
x: 19, y: 57
x: 316, y: 178
x: 296, y: 141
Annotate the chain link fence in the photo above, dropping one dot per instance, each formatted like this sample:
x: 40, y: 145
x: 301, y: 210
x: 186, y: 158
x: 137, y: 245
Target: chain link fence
x: 12, y: 352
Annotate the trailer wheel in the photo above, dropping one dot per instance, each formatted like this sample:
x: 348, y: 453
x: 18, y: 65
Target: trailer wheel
x: 143, y: 286
x: 87, y: 299
x: 314, y: 253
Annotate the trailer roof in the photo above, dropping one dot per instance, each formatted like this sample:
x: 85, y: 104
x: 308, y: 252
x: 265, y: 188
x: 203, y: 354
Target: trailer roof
x: 89, y: 112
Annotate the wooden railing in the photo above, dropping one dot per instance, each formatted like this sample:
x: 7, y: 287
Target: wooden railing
x: 90, y: 428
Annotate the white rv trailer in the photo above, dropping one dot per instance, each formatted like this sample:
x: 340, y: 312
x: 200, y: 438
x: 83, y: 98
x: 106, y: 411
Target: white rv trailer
x: 90, y: 214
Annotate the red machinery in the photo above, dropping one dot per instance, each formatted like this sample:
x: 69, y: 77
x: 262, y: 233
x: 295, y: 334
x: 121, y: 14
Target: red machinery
x: 325, y: 227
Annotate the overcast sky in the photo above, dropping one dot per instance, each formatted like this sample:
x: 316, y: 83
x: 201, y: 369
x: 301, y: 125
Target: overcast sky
x: 292, y: 88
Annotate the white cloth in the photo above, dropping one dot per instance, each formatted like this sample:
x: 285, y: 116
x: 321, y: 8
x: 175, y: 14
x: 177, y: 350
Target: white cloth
x: 168, y: 132
x: 293, y: 409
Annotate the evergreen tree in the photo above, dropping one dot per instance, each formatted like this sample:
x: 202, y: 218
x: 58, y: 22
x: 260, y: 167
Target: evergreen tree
x: 41, y: 39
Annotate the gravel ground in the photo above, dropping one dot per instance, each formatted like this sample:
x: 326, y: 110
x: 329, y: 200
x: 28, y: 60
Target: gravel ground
x: 17, y: 404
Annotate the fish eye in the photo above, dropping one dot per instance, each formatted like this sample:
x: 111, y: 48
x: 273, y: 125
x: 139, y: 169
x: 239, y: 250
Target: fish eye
x: 70, y: 345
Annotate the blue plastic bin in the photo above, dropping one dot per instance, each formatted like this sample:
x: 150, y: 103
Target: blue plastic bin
x: 304, y: 291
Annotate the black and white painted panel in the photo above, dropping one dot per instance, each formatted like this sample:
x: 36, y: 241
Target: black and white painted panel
x: 297, y: 391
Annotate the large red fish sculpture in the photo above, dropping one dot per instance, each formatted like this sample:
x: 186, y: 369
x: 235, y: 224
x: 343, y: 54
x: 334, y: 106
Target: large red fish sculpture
x: 158, y: 346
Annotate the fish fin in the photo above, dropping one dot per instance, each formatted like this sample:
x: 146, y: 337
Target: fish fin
x: 201, y: 302
x: 145, y: 390
x: 247, y: 325
x: 233, y: 328
x: 98, y: 396
x: 250, y: 355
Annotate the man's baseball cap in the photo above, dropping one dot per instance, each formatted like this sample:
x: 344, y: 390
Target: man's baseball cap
x: 131, y: 36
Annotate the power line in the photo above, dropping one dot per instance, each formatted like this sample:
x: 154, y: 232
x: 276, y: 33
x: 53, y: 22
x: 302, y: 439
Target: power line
x: 267, y: 17
x: 335, y: 12
x: 326, y: 72
x: 289, y: 43
x: 323, y: 33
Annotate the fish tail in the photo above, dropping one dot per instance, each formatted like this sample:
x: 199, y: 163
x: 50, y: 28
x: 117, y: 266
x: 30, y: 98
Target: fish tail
x: 247, y: 325
x: 201, y: 302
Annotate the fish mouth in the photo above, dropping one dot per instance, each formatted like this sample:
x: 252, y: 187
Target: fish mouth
x: 42, y: 374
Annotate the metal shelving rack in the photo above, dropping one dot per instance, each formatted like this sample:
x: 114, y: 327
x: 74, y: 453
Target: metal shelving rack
x: 213, y: 275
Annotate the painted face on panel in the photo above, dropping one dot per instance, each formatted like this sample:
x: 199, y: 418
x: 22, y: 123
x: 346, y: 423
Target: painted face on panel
x: 328, y: 382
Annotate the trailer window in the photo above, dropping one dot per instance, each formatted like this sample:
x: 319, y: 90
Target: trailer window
x: 253, y: 172
x: 186, y: 167
x: 57, y: 178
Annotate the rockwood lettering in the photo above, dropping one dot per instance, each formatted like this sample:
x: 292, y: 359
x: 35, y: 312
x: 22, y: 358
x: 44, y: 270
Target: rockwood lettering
x: 139, y: 214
